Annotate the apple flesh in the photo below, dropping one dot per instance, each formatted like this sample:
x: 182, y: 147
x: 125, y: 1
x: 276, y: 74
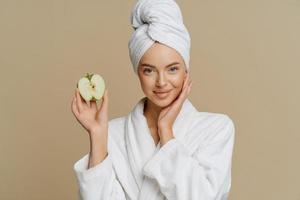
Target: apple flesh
x: 91, y: 87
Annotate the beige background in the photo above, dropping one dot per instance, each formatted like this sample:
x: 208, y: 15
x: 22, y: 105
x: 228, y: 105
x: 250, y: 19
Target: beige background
x: 244, y: 62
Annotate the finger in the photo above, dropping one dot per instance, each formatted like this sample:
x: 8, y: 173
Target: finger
x: 85, y: 103
x: 178, y: 102
x: 185, y: 81
x: 88, y: 103
x: 104, y: 105
x: 190, y: 87
x: 188, y: 90
x: 79, y: 101
x: 188, y: 79
x: 74, y: 107
x: 185, y: 90
x: 189, y: 84
x: 93, y: 105
x: 185, y: 84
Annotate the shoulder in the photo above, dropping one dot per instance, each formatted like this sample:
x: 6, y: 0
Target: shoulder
x: 116, y: 129
x: 116, y: 123
x: 213, y: 127
x: 116, y: 136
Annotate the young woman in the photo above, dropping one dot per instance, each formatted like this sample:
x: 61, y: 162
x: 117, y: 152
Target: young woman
x: 164, y: 148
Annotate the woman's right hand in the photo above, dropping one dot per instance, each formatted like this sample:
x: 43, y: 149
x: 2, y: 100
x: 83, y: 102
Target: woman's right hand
x: 92, y: 118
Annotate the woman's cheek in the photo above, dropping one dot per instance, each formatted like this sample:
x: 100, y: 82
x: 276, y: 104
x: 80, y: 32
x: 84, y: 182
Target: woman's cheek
x: 177, y: 82
x: 147, y: 86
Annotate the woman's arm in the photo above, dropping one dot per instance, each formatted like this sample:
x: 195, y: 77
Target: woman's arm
x: 98, y: 149
x: 95, y: 175
x: 94, y: 172
x: 98, y: 182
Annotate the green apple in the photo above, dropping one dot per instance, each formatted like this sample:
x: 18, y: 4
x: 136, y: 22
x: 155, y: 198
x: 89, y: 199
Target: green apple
x: 91, y: 87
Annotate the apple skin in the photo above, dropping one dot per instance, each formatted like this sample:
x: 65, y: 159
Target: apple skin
x: 91, y: 87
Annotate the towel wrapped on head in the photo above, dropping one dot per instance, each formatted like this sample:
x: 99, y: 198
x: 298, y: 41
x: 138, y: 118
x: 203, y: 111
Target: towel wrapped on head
x: 158, y: 21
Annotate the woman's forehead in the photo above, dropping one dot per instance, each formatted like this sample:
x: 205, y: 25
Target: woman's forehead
x: 160, y: 54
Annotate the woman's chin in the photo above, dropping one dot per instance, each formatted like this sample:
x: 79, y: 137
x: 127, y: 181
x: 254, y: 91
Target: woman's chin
x: 163, y: 102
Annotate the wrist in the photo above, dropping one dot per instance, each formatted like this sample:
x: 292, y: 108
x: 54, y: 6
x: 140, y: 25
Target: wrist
x: 165, y: 133
x: 166, y: 139
x: 98, y: 139
x: 95, y: 130
x: 165, y: 129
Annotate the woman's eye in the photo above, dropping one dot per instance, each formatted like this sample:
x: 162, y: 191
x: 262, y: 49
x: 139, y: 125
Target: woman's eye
x: 173, y: 69
x: 147, y: 70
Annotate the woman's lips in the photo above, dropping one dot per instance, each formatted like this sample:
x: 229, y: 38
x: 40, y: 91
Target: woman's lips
x: 162, y: 95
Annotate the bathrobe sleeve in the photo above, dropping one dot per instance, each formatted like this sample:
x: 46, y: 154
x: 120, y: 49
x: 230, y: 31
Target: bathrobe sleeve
x: 98, y: 182
x: 204, y: 175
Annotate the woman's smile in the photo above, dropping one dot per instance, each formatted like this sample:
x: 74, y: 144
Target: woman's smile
x: 162, y: 95
x: 161, y: 73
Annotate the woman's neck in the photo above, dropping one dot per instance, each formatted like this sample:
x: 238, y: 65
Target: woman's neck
x: 151, y: 112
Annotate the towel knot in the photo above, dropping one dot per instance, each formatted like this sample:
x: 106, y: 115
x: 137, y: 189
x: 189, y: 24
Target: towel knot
x: 157, y: 20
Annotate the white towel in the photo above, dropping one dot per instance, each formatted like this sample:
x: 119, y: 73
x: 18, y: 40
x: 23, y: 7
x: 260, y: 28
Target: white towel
x: 157, y: 20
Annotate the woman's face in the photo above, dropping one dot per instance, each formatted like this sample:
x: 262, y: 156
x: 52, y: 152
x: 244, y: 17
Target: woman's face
x: 161, y: 73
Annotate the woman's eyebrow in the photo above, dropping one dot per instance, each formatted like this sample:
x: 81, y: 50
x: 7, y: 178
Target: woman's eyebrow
x: 148, y: 65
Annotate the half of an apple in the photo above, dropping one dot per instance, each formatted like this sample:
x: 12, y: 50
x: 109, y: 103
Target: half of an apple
x: 91, y: 87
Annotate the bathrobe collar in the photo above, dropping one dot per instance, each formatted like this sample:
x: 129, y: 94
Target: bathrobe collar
x: 140, y: 145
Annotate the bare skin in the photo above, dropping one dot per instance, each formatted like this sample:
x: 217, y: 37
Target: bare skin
x: 94, y: 120
x: 159, y: 112
x: 160, y: 77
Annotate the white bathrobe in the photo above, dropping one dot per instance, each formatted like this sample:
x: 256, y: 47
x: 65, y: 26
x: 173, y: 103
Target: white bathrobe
x: 195, y: 165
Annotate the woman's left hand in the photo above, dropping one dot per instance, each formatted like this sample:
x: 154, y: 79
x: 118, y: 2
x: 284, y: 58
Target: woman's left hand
x: 168, y: 115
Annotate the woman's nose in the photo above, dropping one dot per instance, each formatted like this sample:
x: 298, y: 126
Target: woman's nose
x: 161, y: 80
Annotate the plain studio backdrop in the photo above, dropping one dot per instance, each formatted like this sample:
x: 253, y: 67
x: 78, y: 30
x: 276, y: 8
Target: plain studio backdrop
x: 244, y: 62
